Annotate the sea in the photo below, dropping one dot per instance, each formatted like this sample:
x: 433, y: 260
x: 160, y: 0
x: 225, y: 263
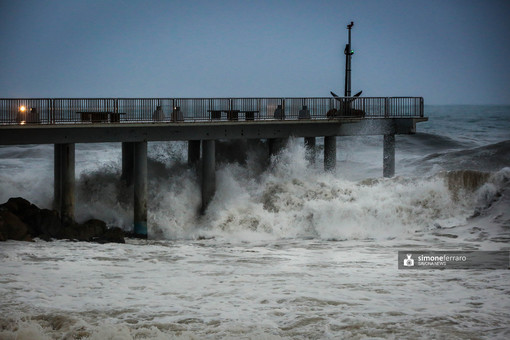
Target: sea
x: 285, y: 250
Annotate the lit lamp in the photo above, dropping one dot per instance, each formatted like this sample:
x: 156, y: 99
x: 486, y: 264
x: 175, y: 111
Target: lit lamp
x: 21, y: 116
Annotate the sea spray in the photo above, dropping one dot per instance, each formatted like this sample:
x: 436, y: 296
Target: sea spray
x: 293, y: 200
x: 287, y: 199
x: 282, y: 197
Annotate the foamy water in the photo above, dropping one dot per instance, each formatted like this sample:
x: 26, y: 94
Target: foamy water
x: 286, y: 251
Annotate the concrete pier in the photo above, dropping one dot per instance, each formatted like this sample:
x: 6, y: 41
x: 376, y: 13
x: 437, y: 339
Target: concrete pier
x: 208, y: 172
x: 329, y: 153
x: 193, y: 153
x: 64, y: 181
x: 310, y: 149
x: 140, y: 188
x: 389, y: 156
x: 127, y: 162
x: 129, y: 121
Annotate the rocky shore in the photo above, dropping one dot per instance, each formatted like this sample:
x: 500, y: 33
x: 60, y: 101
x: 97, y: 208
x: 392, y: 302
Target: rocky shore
x: 24, y: 221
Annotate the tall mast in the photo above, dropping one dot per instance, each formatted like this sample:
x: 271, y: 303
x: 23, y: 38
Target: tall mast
x: 348, y: 53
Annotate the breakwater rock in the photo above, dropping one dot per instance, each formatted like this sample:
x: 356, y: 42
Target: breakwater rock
x: 24, y: 221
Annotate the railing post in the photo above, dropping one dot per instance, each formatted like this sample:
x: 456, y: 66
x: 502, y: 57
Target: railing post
x: 283, y: 108
x: 49, y: 110
x: 51, y: 118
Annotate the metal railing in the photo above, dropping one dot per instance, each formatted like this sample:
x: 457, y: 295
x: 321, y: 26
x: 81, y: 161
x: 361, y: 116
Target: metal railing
x: 149, y: 110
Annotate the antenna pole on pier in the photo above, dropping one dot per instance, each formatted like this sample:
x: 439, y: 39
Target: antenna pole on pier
x: 348, y: 53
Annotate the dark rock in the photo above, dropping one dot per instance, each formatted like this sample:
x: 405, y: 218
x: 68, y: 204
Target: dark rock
x: 11, y: 227
x: 95, y: 226
x: 3, y: 228
x: 75, y: 231
x: 25, y: 211
x: 89, y: 230
x: 32, y: 217
x: 17, y: 205
x: 130, y: 234
x: 67, y: 231
x: 114, y: 235
x: 21, y: 220
x: 50, y: 224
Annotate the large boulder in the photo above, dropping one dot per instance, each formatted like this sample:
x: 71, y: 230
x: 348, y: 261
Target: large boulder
x: 13, y: 228
x: 50, y: 225
x: 95, y: 227
x: 112, y: 235
x: 21, y: 220
x: 17, y: 205
x: 27, y: 212
x: 91, y: 229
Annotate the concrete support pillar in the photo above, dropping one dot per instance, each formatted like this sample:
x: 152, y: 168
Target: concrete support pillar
x: 127, y: 162
x: 389, y: 155
x: 329, y: 153
x: 270, y: 145
x: 64, y: 182
x: 57, y: 178
x: 276, y: 145
x: 193, y: 153
x: 310, y: 149
x: 140, y: 188
x: 208, y: 172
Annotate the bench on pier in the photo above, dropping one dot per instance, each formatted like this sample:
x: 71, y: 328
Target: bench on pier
x: 233, y: 114
x: 100, y: 116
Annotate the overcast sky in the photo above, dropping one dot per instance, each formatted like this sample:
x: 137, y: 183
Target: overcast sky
x: 449, y: 52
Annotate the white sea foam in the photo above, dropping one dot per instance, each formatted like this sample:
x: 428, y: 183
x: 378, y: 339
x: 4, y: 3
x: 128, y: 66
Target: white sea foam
x: 286, y: 252
x: 290, y: 199
x: 272, y: 289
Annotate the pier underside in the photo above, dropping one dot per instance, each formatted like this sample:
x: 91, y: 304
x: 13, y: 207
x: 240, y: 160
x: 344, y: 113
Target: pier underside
x: 81, y: 133
x: 201, y: 137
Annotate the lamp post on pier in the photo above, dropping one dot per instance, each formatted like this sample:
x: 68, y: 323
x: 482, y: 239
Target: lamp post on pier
x: 348, y: 53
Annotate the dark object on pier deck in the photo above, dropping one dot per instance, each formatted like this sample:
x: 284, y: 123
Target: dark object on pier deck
x: 100, y: 116
x: 177, y: 115
x: 346, y: 109
x: 233, y: 114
